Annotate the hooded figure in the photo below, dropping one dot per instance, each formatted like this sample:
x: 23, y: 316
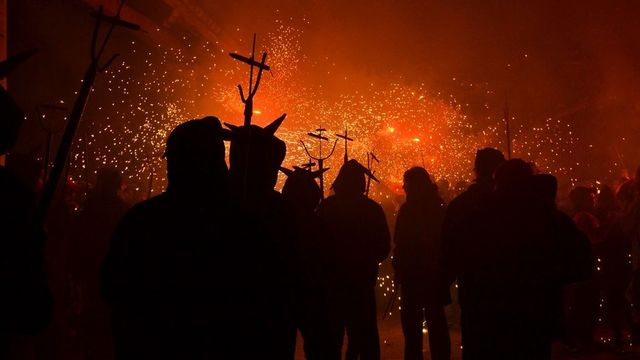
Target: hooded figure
x: 417, y: 265
x: 164, y: 273
x: 268, y: 240
x: 360, y: 240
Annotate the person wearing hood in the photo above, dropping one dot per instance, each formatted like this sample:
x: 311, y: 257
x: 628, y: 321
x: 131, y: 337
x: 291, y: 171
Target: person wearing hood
x: 360, y: 242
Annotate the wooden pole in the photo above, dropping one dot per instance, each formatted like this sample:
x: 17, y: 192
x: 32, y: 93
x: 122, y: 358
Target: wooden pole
x: 80, y: 103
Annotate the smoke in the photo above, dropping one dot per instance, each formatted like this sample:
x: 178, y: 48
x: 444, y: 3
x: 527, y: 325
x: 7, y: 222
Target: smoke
x: 575, y: 60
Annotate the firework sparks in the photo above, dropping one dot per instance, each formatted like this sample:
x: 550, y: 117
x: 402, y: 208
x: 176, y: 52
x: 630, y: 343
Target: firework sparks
x: 406, y: 125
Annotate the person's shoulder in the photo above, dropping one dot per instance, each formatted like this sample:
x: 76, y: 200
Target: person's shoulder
x: 562, y: 216
x: 372, y: 204
x: 145, y: 207
x: 278, y: 199
x: 584, y: 216
x: 461, y: 200
x: 329, y: 201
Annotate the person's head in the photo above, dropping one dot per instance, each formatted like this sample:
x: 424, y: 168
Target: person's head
x: 255, y: 157
x: 512, y: 174
x: 486, y: 163
x: 544, y: 189
x: 108, y: 180
x: 417, y: 183
x: 351, y: 179
x: 195, y: 153
x: 301, y: 190
x: 606, y: 199
x: 582, y: 198
x: 627, y: 193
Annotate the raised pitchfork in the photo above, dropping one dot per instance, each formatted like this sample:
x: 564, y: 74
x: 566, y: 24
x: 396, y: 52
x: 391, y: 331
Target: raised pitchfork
x: 319, y: 158
x: 95, y: 67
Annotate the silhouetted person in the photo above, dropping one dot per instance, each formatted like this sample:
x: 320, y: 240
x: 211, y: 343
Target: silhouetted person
x: 360, y: 241
x: 512, y: 268
x: 95, y: 226
x: 25, y: 300
x: 466, y: 204
x: 583, y: 297
x: 456, y: 234
x: 169, y: 274
x: 569, y: 254
x: 311, y: 265
x: 255, y: 158
x: 628, y: 195
x: 615, y: 263
x: 417, y: 258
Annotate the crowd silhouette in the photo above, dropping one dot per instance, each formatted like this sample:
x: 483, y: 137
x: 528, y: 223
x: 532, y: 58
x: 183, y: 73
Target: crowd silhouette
x: 223, y: 266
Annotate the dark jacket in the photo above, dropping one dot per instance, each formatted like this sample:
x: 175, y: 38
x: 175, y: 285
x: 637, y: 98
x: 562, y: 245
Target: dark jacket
x: 360, y: 238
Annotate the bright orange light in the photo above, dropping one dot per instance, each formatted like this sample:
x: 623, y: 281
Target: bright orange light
x: 257, y: 112
x: 391, y: 129
x: 416, y: 140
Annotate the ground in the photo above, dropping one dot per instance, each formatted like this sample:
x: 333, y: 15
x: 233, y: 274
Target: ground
x: 391, y: 343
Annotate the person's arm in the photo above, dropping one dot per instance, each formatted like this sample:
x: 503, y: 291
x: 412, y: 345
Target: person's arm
x: 449, y: 238
x: 399, y: 239
x: 382, y: 243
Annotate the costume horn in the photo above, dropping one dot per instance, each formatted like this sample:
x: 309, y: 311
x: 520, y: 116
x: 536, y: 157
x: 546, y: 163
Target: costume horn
x: 275, y: 124
x: 231, y: 126
x: 287, y: 172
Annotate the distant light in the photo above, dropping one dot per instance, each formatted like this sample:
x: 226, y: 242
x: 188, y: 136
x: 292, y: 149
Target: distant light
x: 391, y: 129
x: 416, y: 140
x: 257, y: 112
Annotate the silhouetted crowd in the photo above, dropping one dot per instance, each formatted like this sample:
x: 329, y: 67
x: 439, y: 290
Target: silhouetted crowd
x: 223, y: 266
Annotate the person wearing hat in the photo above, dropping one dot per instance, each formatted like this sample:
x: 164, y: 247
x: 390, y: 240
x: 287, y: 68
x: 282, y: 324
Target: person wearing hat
x: 255, y: 157
x: 359, y: 241
x: 163, y: 275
